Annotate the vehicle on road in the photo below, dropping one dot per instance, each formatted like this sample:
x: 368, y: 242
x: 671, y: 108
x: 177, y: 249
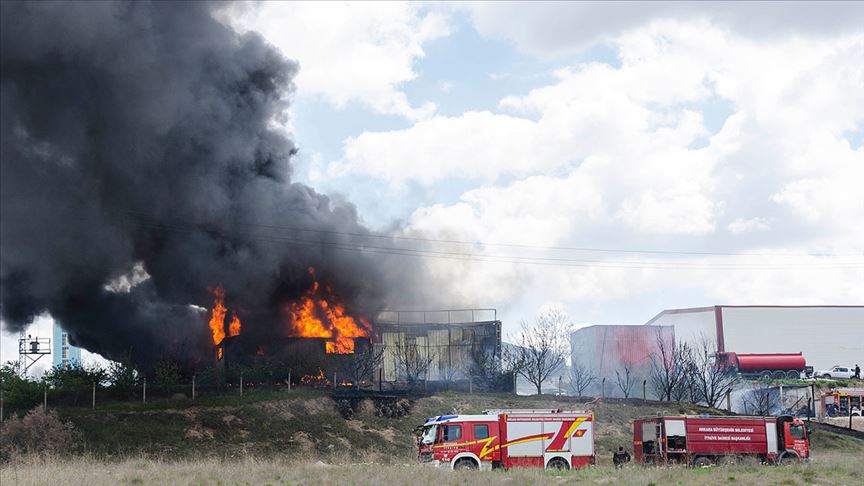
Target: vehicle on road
x: 551, y: 439
x: 705, y: 440
x: 836, y: 372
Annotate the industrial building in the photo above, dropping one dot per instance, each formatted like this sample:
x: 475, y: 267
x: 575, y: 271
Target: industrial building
x: 826, y: 335
x: 450, y: 340
x: 63, y: 353
x: 605, y: 350
x: 447, y: 343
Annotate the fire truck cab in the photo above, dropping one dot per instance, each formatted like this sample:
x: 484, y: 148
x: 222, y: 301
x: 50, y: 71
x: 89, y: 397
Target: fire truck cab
x: 508, y: 438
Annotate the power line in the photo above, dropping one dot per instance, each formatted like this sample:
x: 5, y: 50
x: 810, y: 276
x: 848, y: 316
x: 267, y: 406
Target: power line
x: 514, y: 259
x: 539, y: 247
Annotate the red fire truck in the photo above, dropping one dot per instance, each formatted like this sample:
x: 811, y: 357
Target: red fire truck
x: 508, y: 438
x: 703, y: 440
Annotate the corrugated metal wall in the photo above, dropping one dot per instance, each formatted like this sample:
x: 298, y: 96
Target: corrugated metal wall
x: 607, y: 349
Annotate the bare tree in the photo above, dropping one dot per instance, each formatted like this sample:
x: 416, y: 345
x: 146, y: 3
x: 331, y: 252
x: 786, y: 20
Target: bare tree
x: 360, y: 366
x: 541, y: 349
x: 625, y: 380
x: 485, y: 368
x: 668, y: 375
x: 411, y: 361
x: 581, y: 377
x: 710, y: 382
x: 762, y: 398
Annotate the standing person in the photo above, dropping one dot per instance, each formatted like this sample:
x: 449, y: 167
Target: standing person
x: 620, y: 458
x: 857, y: 372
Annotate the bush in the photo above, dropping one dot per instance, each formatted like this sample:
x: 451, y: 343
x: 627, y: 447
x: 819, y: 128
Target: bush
x: 122, y: 377
x: 37, y: 433
x: 167, y: 374
x: 19, y: 393
x: 75, y: 377
x: 72, y: 383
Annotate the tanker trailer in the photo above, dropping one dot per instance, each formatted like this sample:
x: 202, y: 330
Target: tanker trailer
x: 776, y: 365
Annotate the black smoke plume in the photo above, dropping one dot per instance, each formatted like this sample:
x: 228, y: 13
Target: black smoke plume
x: 146, y: 134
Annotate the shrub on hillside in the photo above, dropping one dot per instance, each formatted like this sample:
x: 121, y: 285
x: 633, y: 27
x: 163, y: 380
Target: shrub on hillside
x: 122, y: 376
x: 37, y: 433
x: 167, y: 374
x: 19, y: 392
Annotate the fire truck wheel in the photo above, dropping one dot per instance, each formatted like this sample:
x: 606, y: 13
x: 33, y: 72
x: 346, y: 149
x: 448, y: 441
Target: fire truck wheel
x: 788, y: 458
x: 779, y: 375
x: 465, y: 463
x: 558, y: 463
x: 793, y: 375
x: 702, y: 462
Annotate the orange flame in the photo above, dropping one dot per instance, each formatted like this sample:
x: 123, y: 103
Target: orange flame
x: 217, y: 315
x: 319, y: 379
x: 234, y: 326
x: 217, y: 319
x: 320, y: 314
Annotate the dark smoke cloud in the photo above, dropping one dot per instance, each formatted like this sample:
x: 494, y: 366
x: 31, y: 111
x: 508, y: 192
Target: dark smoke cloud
x: 144, y: 133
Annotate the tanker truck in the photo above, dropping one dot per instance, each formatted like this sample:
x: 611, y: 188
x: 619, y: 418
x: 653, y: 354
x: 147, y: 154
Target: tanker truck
x: 703, y: 440
x: 778, y: 365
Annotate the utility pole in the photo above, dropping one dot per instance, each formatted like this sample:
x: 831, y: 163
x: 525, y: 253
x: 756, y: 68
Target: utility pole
x: 241, y: 383
x: 644, y: 393
x: 144, y: 392
x: 193, y: 387
x: 603, y: 388
x: 94, y: 395
x: 289, y: 381
x: 45, y: 399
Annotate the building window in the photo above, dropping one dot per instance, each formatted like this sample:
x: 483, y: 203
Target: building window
x: 64, y: 354
x: 65, y: 339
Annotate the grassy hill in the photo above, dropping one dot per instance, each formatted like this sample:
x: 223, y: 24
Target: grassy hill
x: 307, y: 424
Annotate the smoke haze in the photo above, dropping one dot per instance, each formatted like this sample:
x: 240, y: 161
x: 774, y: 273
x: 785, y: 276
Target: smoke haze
x: 144, y: 137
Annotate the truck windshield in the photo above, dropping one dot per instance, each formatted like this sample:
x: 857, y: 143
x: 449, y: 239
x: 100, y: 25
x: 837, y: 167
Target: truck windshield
x: 428, y: 435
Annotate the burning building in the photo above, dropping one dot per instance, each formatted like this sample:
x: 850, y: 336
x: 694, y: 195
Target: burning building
x: 308, y: 333
x: 319, y: 337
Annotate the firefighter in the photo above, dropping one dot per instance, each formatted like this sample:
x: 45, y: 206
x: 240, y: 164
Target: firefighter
x: 857, y: 372
x: 620, y: 457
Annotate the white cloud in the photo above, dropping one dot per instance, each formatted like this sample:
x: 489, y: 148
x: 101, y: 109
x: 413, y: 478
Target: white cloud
x: 741, y: 225
x: 348, y: 52
x: 549, y: 29
x: 622, y: 157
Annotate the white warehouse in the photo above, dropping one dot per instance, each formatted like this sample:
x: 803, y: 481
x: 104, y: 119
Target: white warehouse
x: 827, y: 335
